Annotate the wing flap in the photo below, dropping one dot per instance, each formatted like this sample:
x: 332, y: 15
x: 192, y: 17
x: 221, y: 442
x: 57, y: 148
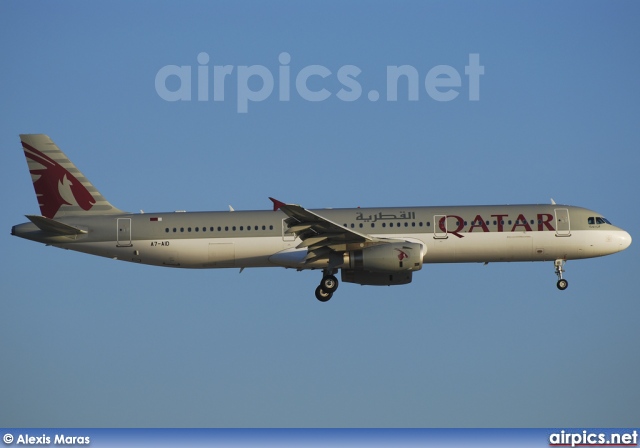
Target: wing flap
x: 298, y: 228
x: 311, y: 241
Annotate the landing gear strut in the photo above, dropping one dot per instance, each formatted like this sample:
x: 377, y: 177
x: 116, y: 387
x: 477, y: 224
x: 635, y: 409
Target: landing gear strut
x: 562, y: 283
x: 327, y: 286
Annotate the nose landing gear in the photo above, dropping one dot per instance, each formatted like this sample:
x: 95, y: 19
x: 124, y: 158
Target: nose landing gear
x: 562, y: 283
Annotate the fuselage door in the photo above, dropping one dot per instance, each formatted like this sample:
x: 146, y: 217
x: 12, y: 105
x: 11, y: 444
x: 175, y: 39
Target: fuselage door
x: 440, y: 226
x: 563, y: 225
x: 124, y: 232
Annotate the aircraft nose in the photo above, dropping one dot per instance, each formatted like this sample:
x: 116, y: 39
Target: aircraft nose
x: 625, y: 240
x: 622, y: 239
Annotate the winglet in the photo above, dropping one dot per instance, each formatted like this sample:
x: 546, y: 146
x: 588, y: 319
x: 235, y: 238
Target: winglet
x: 276, y: 204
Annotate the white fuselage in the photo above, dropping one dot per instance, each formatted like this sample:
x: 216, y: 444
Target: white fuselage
x: 174, y: 242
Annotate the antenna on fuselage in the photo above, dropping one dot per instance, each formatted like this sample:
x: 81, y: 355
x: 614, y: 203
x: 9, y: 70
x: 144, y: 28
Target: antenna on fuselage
x: 553, y: 202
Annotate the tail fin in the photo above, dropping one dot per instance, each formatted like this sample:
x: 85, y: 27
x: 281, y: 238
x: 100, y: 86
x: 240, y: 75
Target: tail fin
x: 61, y: 189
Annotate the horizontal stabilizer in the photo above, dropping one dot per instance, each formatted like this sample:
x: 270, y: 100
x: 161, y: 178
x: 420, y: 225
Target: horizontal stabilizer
x: 54, y: 227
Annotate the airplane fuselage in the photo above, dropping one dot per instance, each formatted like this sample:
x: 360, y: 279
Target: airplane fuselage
x: 449, y: 234
x: 369, y: 246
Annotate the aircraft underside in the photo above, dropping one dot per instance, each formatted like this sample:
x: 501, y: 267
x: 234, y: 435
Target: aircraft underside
x: 214, y: 253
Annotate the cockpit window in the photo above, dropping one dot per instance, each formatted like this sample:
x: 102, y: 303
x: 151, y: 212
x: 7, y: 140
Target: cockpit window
x: 598, y: 220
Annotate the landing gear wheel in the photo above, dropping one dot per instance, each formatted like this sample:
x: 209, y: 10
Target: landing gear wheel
x: 323, y: 295
x: 329, y: 283
x: 559, y: 265
x: 562, y: 284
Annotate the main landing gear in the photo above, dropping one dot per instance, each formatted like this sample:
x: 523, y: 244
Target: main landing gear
x: 562, y: 283
x: 327, y: 286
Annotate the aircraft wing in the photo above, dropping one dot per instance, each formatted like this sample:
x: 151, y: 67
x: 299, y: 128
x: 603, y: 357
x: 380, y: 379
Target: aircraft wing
x: 321, y: 236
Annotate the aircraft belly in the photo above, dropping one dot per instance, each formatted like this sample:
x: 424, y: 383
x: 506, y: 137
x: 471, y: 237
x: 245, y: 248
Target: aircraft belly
x: 512, y: 246
x: 255, y: 252
x: 480, y: 247
x: 225, y: 252
x: 189, y: 253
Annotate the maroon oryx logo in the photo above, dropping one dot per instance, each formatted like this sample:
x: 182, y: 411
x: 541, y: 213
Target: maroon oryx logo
x: 402, y: 255
x: 55, y: 186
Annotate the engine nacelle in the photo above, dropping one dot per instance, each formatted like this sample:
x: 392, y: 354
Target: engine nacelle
x: 383, y: 265
x: 376, y: 278
x: 387, y: 257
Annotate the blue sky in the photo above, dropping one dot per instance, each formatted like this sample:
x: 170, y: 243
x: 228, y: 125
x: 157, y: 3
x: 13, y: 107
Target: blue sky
x: 94, y: 342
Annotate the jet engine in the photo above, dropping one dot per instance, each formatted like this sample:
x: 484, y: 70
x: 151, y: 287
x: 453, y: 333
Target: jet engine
x: 384, y: 264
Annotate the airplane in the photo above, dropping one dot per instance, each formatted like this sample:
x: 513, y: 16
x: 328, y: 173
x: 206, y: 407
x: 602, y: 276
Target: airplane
x: 369, y: 246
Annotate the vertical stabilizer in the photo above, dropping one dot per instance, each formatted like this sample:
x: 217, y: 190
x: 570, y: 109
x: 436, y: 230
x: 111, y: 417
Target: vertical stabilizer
x: 61, y: 189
